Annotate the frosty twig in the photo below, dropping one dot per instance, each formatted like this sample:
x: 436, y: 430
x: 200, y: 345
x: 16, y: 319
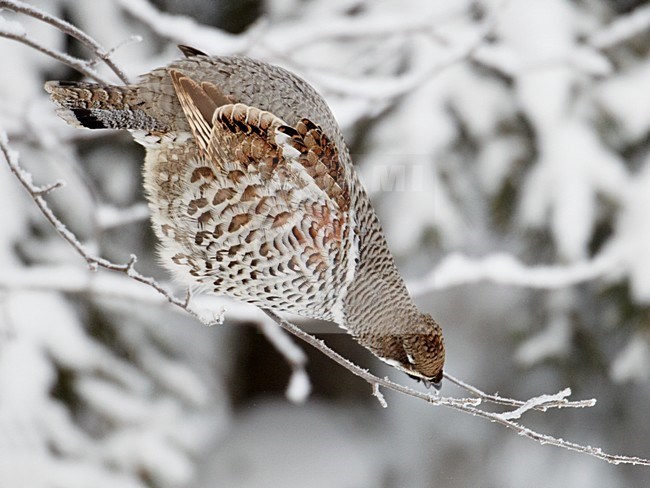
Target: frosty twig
x: 470, y: 405
x: 81, y: 65
x: 67, y: 28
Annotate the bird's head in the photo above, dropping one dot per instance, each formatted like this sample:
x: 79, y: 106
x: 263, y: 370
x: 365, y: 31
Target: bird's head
x: 420, y: 353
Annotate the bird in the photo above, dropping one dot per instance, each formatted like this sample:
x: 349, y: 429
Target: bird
x: 253, y: 195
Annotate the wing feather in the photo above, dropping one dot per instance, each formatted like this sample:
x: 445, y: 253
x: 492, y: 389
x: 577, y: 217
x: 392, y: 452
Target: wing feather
x: 226, y: 131
x: 199, y: 102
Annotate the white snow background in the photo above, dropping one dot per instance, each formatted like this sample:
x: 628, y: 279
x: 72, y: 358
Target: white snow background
x: 506, y: 148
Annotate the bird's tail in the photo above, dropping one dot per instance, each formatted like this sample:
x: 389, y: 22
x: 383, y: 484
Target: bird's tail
x: 97, y: 106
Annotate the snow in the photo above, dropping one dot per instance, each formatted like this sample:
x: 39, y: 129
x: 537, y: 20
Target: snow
x: 177, y: 377
x: 53, y: 326
x: 622, y: 28
x: 633, y: 234
x: 633, y: 361
x: 457, y: 269
x: 295, y: 447
x: 533, y: 403
x: 18, y: 392
x: 553, y: 341
x: 109, y: 216
x: 11, y: 27
x: 299, y: 387
x: 626, y: 97
x: 183, y: 30
x: 573, y: 169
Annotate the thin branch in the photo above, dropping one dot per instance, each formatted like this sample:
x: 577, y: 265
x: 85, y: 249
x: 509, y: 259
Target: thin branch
x: 376, y: 392
x: 44, y: 190
x: 466, y: 405
x: 134, y: 39
x: 81, y: 65
x: 499, y: 400
x: 537, y: 403
x: 363, y: 373
x: 67, y: 28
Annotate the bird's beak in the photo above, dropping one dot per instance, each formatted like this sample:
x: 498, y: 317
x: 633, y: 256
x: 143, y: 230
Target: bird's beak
x: 428, y: 383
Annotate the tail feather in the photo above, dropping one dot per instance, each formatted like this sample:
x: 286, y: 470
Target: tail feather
x: 96, y: 106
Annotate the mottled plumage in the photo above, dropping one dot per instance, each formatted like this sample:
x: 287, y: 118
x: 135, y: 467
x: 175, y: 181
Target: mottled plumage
x: 253, y: 195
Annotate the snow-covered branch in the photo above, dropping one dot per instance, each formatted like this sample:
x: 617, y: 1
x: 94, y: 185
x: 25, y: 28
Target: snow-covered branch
x: 622, y: 29
x: 185, y: 30
x: 504, y: 269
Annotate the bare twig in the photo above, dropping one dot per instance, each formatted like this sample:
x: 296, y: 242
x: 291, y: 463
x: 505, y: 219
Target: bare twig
x: 44, y: 190
x: 499, y: 400
x: 363, y: 373
x: 67, y: 28
x: 131, y: 40
x: 81, y: 65
x: 376, y: 392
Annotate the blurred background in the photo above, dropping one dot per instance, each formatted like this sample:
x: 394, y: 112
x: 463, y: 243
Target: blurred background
x: 505, y: 145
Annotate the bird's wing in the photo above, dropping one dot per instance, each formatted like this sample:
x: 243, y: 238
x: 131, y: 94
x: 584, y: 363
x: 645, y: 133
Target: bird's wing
x: 320, y: 158
x: 225, y: 131
x: 270, y: 187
